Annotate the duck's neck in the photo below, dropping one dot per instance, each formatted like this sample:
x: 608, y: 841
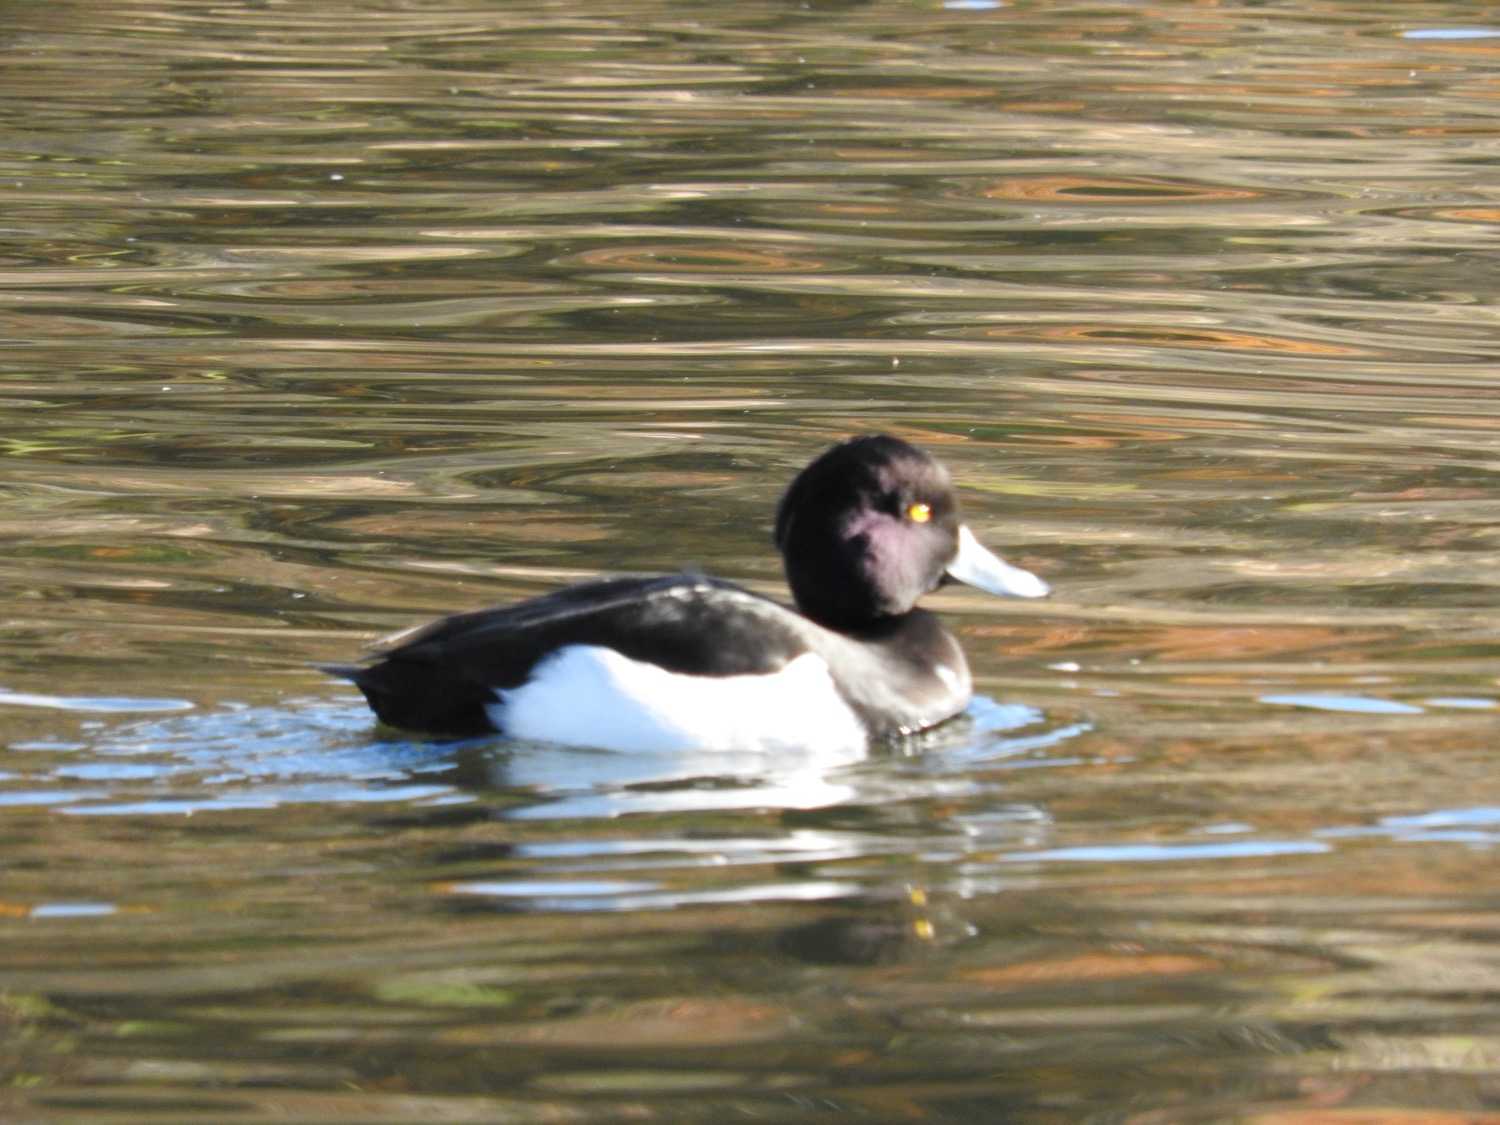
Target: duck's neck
x: 918, y: 678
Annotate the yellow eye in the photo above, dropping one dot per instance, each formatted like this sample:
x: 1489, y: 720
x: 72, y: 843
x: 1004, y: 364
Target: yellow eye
x: 918, y: 513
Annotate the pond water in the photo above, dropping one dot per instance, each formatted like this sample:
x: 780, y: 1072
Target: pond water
x: 317, y: 321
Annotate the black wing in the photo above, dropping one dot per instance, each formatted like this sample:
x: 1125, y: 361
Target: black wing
x: 441, y: 677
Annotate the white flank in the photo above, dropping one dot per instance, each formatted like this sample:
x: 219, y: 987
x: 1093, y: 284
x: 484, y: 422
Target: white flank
x: 586, y: 695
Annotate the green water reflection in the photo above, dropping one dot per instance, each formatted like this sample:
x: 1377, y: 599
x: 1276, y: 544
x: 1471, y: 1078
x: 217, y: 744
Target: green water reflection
x: 318, y: 321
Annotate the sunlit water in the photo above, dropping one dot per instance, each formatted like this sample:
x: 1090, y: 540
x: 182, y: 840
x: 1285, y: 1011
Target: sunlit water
x: 319, y: 320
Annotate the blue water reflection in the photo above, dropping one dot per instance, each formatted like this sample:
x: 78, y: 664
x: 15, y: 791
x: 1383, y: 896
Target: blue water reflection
x: 325, y: 751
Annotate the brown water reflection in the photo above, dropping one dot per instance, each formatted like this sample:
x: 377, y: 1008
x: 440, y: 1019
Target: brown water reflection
x: 319, y: 321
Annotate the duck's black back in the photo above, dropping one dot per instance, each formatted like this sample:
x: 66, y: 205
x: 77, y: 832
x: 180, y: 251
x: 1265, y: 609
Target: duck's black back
x: 442, y: 677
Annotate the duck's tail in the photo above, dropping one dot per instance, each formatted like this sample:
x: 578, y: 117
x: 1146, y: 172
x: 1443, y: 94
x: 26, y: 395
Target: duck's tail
x: 417, y: 696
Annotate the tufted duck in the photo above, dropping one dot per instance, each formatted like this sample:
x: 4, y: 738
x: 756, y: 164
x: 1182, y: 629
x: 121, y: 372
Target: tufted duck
x: 690, y: 662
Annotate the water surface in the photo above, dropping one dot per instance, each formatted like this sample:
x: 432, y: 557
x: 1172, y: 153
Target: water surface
x: 318, y: 321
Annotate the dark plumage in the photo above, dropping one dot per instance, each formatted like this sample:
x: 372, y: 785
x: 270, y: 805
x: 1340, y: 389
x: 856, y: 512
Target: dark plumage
x: 864, y: 531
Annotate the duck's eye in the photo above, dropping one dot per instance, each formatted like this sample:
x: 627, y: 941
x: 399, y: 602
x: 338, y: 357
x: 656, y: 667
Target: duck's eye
x: 919, y: 512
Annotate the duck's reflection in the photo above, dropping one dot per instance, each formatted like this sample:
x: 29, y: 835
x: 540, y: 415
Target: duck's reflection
x: 565, y: 782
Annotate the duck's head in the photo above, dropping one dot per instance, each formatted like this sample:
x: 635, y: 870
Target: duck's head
x: 872, y: 525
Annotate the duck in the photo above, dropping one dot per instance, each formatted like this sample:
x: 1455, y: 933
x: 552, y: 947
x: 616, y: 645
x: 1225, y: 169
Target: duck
x: 689, y: 662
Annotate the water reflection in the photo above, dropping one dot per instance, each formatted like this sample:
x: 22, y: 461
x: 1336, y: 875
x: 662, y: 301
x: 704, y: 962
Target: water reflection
x: 242, y: 757
x: 322, y: 321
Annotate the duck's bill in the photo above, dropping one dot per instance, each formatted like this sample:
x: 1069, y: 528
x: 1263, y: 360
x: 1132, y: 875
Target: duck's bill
x: 978, y: 566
